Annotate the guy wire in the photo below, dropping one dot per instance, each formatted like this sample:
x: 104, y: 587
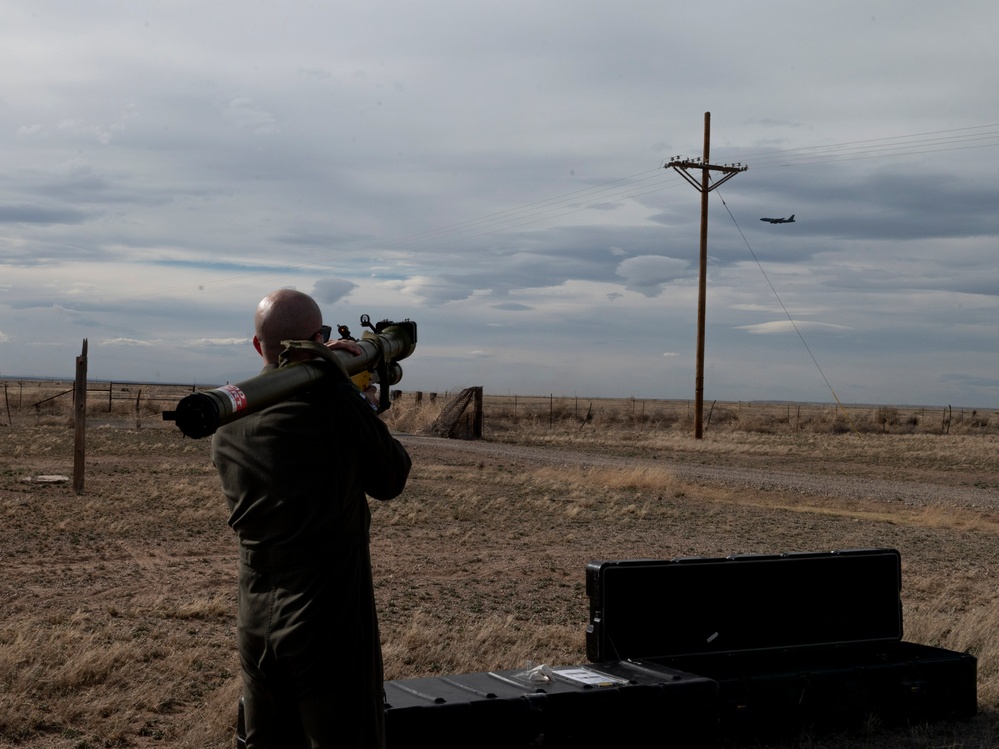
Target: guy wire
x: 788, y: 314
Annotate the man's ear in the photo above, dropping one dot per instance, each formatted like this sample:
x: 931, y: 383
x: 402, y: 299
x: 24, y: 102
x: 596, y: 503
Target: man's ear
x: 257, y: 346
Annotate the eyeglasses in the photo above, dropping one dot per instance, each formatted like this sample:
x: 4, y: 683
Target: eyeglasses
x: 325, y: 331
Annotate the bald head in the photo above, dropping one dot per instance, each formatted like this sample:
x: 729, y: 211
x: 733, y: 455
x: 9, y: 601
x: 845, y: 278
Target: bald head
x: 284, y: 315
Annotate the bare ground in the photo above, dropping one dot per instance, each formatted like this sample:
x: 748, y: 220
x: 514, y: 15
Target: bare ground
x: 116, y: 605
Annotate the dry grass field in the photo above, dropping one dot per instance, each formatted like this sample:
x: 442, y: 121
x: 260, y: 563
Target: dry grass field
x: 117, y: 604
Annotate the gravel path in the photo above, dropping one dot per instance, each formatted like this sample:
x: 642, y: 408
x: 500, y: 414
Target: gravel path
x: 795, y: 482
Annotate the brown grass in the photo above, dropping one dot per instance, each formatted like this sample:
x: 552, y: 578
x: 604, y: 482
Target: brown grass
x: 117, y: 605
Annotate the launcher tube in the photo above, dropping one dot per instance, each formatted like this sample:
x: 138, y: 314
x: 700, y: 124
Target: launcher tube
x: 201, y: 414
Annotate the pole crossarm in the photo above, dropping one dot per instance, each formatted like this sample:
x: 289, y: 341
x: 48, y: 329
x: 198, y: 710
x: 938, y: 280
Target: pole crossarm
x: 682, y: 165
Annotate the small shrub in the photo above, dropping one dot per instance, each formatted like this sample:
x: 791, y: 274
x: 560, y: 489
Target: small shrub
x: 886, y: 416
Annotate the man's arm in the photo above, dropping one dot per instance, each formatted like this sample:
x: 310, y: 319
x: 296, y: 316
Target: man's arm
x: 389, y: 482
x: 383, y: 462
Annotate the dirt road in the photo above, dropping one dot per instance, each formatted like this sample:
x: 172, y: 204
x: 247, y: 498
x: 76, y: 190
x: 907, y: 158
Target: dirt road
x: 935, y: 489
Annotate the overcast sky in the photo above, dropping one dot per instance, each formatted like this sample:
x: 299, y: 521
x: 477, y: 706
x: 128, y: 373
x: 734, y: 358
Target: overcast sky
x: 494, y: 171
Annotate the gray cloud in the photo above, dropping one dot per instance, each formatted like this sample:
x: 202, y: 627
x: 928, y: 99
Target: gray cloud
x: 125, y: 342
x: 647, y: 274
x: 332, y: 290
x: 495, y: 172
x: 26, y: 213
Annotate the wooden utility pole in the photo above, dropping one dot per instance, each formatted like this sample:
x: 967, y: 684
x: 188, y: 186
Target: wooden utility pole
x: 704, y: 185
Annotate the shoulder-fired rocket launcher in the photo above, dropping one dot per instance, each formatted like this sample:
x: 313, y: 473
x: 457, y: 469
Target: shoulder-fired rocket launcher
x: 382, y: 347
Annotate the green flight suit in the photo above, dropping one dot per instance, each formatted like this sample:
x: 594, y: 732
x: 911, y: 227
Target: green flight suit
x: 296, y: 476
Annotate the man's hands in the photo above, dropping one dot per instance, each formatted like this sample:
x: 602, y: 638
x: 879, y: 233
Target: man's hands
x: 344, y: 344
x: 372, y: 395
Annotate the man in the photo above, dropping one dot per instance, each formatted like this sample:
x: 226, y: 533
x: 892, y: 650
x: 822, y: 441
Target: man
x: 295, y: 476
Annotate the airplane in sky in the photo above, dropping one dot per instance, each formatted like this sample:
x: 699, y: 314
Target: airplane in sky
x: 780, y: 220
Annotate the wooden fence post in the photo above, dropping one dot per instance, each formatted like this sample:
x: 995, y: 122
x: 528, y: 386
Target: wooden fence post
x: 477, y: 414
x: 80, y: 419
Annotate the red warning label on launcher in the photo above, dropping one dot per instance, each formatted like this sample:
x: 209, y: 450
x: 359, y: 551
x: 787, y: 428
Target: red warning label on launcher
x: 236, y: 396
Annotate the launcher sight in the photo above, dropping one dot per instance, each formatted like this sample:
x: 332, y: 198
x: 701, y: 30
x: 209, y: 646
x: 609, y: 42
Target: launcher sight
x: 382, y: 347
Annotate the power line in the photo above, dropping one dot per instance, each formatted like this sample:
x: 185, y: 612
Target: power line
x: 651, y: 181
x: 538, y: 211
x: 528, y: 214
x: 637, y: 185
x: 982, y: 136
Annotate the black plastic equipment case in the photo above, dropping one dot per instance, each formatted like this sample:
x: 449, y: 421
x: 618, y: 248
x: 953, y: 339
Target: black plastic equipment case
x: 795, y: 641
x: 603, y: 704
